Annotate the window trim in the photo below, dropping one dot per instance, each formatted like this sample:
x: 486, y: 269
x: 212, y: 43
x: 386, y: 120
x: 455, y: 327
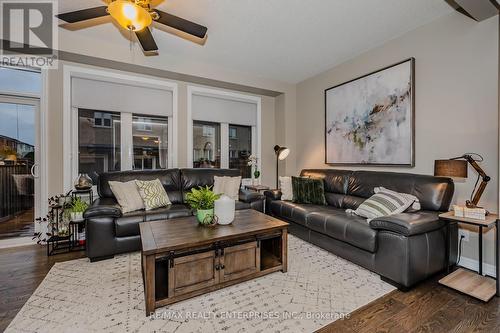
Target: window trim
x: 229, y: 95
x: 70, y: 117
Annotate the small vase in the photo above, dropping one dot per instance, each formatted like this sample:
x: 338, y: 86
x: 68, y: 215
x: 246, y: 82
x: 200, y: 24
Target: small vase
x: 224, y: 210
x: 75, y: 217
x: 205, y: 216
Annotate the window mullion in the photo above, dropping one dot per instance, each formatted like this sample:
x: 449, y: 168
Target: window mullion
x: 171, y: 158
x: 224, y: 145
x: 127, y: 142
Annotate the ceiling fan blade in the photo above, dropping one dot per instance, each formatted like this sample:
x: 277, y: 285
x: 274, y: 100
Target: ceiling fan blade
x: 181, y: 24
x: 146, y: 39
x: 84, y: 14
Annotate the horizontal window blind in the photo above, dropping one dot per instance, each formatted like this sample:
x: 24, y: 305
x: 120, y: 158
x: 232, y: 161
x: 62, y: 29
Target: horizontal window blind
x: 118, y: 97
x: 213, y: 109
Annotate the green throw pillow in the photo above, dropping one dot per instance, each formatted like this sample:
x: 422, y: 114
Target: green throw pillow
x: 153, y: 194
x: 308, y: 191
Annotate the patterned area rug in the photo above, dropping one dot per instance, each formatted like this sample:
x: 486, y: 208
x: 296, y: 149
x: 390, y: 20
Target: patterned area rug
x: 107, y: 296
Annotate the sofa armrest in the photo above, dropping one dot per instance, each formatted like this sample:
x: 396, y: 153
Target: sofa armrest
x: 103, y: 207
x: 250, y: 196
x: 408, y: 224
x: 273, y: 194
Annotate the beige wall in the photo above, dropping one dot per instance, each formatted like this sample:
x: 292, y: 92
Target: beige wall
x: 456, y: 89
x: 55, y: 130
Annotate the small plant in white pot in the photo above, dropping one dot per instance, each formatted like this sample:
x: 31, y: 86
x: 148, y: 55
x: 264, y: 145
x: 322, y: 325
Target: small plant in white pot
x: 77, y: 208
x: 203, y: 201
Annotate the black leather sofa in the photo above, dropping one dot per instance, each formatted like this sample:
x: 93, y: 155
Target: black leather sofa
x: 109, y: 232
x: 404, y: 248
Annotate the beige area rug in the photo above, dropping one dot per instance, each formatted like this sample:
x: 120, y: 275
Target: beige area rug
x: 107, y: 296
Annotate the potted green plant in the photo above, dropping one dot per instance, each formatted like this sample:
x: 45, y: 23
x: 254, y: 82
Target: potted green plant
x: 202, y: 200
x: 78, y: 206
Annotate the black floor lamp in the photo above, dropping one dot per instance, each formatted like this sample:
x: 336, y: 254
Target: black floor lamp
x: 281, y: 154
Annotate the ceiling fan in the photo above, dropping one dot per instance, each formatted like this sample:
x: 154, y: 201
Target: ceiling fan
x: 136, y: 16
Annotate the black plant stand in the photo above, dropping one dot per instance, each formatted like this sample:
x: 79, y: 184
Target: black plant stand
x: 57, y: 244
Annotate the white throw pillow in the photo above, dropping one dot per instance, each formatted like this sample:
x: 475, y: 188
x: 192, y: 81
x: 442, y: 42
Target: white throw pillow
x: 127, y: 195
x: 229, y: 186
x: 286, y: 188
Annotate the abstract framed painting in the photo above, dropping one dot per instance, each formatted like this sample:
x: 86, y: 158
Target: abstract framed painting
x: 370, y: 120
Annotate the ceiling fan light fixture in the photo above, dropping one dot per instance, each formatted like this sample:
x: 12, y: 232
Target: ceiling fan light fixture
x: 129, y: 15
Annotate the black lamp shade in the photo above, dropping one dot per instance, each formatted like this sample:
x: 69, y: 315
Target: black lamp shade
x: 281, y: 152
x: 450, y: 168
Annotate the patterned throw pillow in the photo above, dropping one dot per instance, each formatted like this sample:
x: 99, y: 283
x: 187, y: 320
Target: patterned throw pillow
x: 153, y: 194
x: 308, y: 191
x: 384, y: 203
x: 415, y: 206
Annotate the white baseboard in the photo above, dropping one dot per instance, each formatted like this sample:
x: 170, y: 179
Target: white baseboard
x: 474, y: 265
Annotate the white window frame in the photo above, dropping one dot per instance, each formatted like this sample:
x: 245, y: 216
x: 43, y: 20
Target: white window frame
x: 224, y: 126
x: 70, y: 117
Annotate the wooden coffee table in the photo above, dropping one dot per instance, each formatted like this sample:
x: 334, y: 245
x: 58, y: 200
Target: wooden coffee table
x: 181, y: 259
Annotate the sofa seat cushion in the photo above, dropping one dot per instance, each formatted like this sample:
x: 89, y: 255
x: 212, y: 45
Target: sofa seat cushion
x: 128, y: 224
x: 345, y: 227
x: 169, y: 212
x: 293, y: 211
x: 239, y: 205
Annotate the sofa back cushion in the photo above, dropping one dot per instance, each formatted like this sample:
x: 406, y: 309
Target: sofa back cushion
x: 193, y: 178
x: 335, y: 184
x: 170, y: 179
x: 348, y: 189
x: 434, y: 193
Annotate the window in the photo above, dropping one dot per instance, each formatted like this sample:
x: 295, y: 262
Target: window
x: 150, y: 138
x: 240, y: 149
x: 206, y: 145
x: 137, y: 113
x: 99, y: 148
x: 226, y: 129
x: 20, y: 80
x: 102, y: 148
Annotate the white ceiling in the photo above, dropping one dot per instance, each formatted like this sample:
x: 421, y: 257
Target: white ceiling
x: 285, y: 40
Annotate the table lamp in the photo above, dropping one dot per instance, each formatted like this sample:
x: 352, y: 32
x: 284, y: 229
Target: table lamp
x: 457, y: 167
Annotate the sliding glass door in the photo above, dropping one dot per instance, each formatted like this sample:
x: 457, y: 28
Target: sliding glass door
x: 19, y: 165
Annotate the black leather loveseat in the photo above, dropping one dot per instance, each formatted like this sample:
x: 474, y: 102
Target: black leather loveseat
x: 109, y: 232
x: 404, y: 248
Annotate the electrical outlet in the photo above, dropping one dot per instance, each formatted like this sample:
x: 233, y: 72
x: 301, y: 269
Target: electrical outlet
x: 464, y: 233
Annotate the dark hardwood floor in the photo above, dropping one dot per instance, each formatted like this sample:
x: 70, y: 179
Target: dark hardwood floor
x: 428, y: 307
x: 21, y: 271
x: 20, y: 225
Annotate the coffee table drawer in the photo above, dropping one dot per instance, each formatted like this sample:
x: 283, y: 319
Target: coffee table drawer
x: 239, y: 261
x: 193, y: 272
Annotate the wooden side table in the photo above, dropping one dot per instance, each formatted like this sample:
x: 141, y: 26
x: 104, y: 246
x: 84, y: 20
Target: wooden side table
x: 257, y: 188
x: 466, y: 281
